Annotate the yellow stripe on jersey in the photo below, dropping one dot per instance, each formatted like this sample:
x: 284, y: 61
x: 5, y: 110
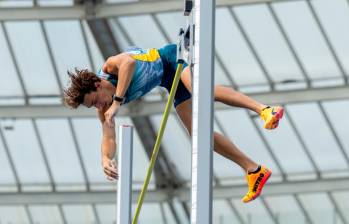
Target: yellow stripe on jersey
x: 151, y: 56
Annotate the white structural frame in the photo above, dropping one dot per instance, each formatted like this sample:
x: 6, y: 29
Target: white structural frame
x: 202, y: 131
x: 150, y: 108
x: 124, y: 192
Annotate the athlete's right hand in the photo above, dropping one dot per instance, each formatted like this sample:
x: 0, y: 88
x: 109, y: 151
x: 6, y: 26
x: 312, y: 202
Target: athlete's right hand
x: 110, y: 168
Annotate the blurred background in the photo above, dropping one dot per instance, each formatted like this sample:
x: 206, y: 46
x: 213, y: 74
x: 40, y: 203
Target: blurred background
x: 289, y: 52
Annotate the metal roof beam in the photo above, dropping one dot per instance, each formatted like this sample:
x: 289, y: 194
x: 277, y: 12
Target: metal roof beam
x: 143, y: 108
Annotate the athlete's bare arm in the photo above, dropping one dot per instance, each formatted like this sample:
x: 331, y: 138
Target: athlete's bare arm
x: 108, y: 148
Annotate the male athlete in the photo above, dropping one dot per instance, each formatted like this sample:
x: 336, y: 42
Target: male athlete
x: 130, y: 75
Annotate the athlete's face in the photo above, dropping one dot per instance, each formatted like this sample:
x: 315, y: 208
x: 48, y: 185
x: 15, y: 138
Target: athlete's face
x: 99, y: 98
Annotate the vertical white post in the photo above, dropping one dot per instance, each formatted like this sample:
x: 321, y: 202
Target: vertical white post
x: 125, y: 148
x: 202, y: 137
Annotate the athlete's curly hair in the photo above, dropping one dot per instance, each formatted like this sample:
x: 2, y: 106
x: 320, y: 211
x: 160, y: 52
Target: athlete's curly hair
x: 81, y: 83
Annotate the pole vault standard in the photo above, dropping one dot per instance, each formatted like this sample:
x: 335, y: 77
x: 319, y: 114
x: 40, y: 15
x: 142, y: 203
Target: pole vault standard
x: 202, y: 136
x: 125, y: 151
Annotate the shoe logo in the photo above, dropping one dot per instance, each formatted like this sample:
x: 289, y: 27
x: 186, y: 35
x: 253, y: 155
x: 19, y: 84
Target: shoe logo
x: 273, y: 112
x: 258, y: 181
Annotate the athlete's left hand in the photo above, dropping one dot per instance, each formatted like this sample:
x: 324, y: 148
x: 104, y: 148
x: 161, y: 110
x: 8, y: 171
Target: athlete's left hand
x: 110, y: 113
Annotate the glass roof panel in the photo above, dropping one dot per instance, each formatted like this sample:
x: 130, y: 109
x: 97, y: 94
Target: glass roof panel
x: 12, y: 3
x: 221, y: 165
x: 120, y: 37
x: 222, y: 213
x: 171, y: 23
x: 342, y: 200
x: 13, y: 214
x: 49, y: 214
x: 334, y: 16
x: 289, y: 214
x: 321, y: 142
x: 96, y: 54
x: 68, y: 48
x: 26, y: 153
x: 6, y: 172
x: 168, y: 214
x: 55, y: 2
x: 248, y: 140
x: 59, y: 147
x: 235, y: 54
x: 151, y: 213
x: 335, y: 111
x: 89, y: 134
x: 176, y: 145
x: 253, y: 212
x: 37, y: 74
x: 79, y: 214
x: 307, y: 39
x: 134, y: 26
x: 319, y: 207
x: 262, y: 30
x: 106, y: 213
x: 10, y: 76
x: 290, y: 152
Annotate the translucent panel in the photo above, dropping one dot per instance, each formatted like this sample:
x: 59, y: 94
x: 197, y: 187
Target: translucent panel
x: 25, y: 151
x: 96, y: 54
x: 221, y: 165
x: 234, y: 51
x: 222, y: 213
x: 247, y: 140
x: 106, y: 213
x: 342, y: 200
x: 79, y: 214
x: 134, y: 26
x: 220, y: 77
x: 319, y: 207
x: 46, y: 214
x: 89, y: 135
x: 10, y: 76
x: 13, y: 214
x: 340, y: 123
x: 334, y: 16
x: 45, y: 101
x: 119, y: 36
x: 253, y: 213
x: 261, y: 28
x: 321, y: 142
x: 176, y: 143
x: 6, y: 172
x: 168, y: 215
x: 290, y: 152
x: 69, y: 50
x: 62, y: 156
x: 38, y: 74
x: 289, y: 214
x: 171, y: 23
x: 151, y: 213
x: 307, y: 39
x: 55, y: 2
x: 12, y: 3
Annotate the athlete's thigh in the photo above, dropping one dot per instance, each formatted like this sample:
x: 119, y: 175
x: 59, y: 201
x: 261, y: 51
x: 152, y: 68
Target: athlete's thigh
x: 186, y: 78
x: 184, y: 112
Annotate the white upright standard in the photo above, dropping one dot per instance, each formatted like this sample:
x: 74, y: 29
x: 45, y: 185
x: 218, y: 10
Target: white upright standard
x: 125, y: 148
x: 202, y: 137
